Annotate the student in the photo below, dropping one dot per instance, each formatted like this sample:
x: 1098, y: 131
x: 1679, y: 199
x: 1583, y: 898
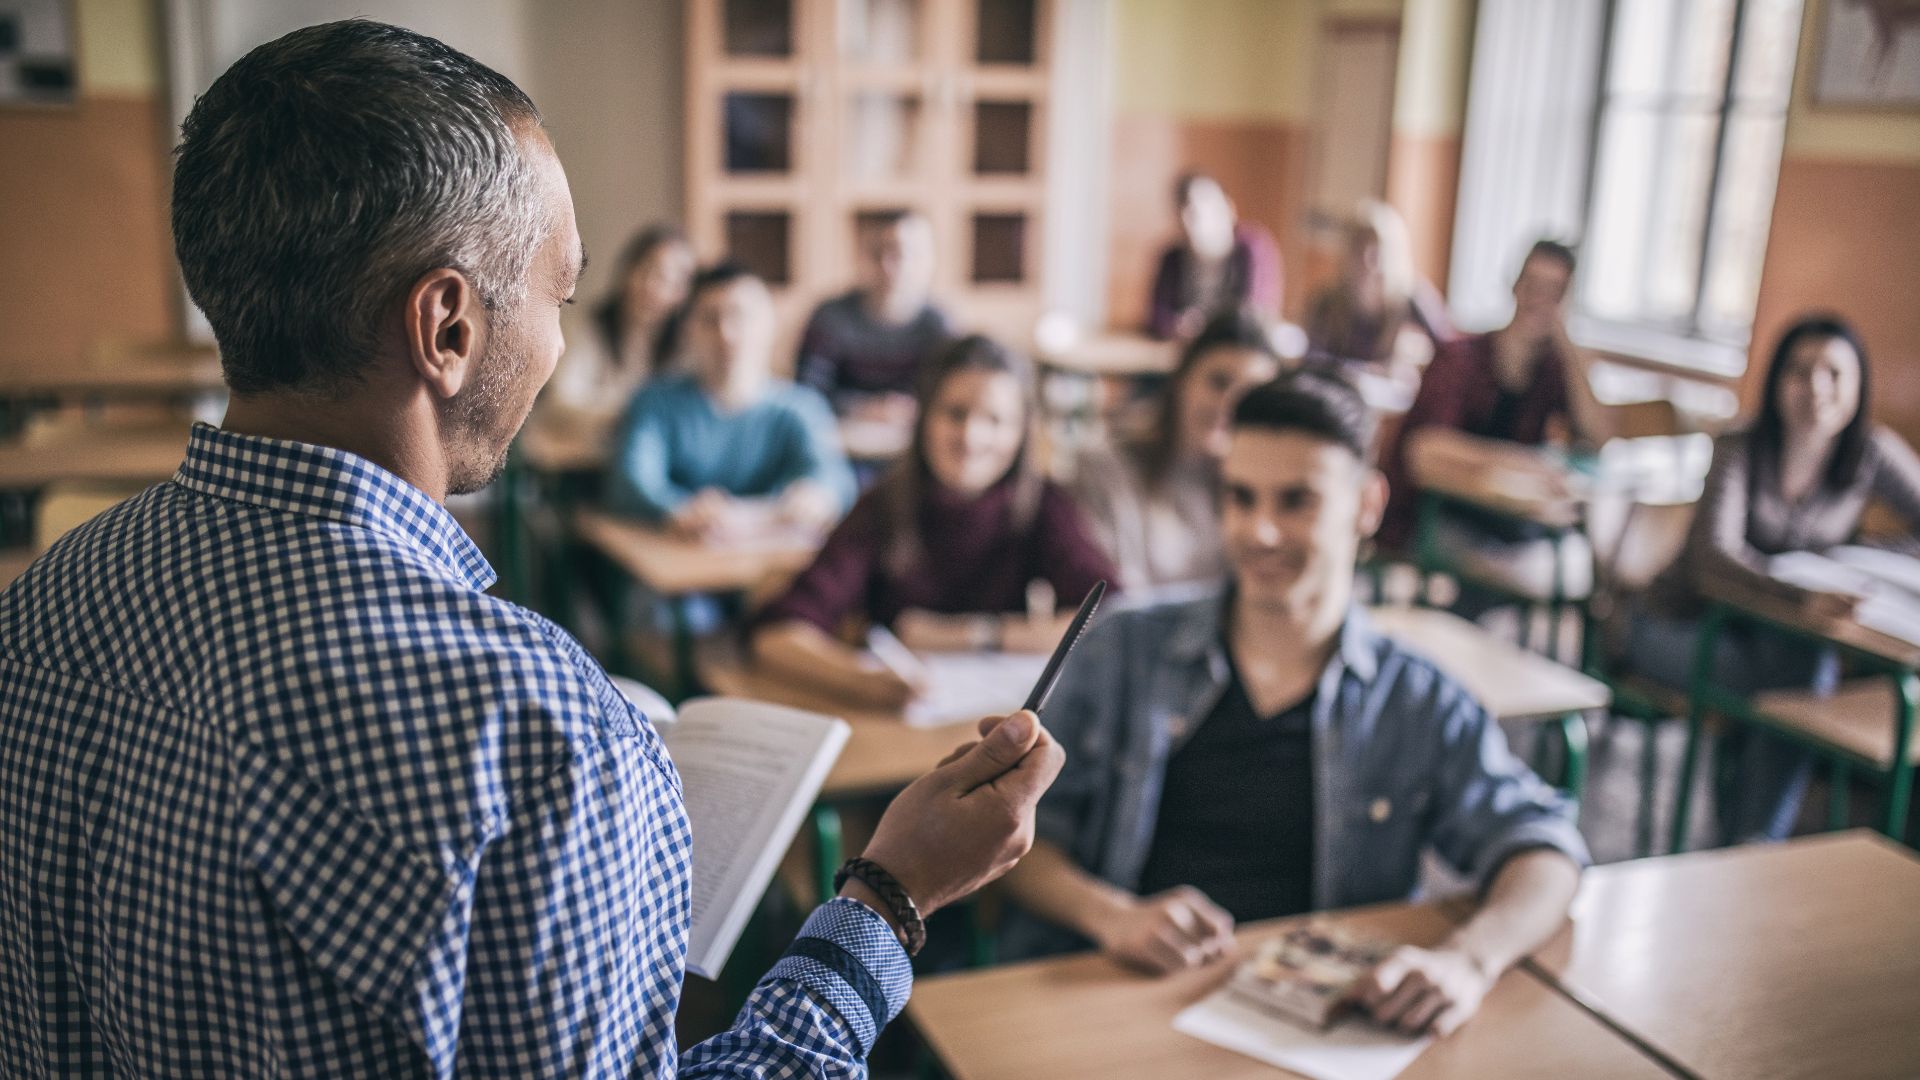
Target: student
x: 863, y: 349
x: 630, y: 342
x: 725, y: 451
x: 1486, y: 403
x: 1219, y: 264
x: 1150, y: 499
x: 1797, y: 479
x: 1380, y: 316
x: 1261, y: 752
x: 943, y: 549
x: 286, y: 791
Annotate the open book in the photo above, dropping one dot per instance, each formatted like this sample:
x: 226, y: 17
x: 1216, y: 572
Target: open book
x: 1888, y: 581
x: 750, y: 771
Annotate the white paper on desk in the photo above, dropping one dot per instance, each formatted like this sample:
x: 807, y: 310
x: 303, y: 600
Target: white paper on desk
x: 1349, y: 1050
x: 968, y: 686
x: 1888, y: 581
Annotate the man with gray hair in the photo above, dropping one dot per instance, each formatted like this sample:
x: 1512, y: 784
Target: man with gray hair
x: 283, y: 792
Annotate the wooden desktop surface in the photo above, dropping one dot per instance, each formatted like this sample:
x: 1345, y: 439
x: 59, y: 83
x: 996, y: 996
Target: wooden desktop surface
x: 1086, y: 1016
x: 883, y: 754
x: 1114, y: 354
x: 1799, y: 959
x: 1512, y: 683
x: 674, y: 567
x: 1787, y: 613
x: 1660, y: 470
x: 129, y: 455
x: 565, y: 446
x: 127, y: 373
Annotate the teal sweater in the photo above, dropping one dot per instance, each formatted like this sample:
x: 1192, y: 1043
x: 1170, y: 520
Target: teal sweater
x: 674, y: 442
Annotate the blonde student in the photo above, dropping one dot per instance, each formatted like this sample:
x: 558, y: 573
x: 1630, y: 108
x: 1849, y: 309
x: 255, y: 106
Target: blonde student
x: 944, y: 548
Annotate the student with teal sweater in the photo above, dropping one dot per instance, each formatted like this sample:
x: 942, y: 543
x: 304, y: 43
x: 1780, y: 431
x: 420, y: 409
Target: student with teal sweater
x: 725, y: 450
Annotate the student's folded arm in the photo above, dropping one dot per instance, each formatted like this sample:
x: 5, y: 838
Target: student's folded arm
x: 1716, y: 544
x: 642, y: 484
x: 1489, y: 806
x: 1896, y: 478
x: 794, y: 633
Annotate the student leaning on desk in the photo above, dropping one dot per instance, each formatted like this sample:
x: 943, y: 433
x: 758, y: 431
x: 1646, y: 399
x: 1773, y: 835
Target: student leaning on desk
x: 1261, y: 752
x: 945, y: 546
x: 286, y: 792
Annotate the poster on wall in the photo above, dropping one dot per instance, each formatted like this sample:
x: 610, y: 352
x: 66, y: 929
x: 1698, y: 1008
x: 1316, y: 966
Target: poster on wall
x: 36, y: 52
x: 1869, y: 54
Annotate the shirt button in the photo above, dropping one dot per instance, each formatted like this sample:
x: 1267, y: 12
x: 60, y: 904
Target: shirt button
x: 1380, y: 810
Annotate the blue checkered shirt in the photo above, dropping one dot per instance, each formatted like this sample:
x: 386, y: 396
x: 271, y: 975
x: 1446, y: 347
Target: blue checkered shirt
x: 284, y: 793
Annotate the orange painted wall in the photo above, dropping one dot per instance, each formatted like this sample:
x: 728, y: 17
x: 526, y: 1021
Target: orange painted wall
x: 87, y: 255
x: 1260, y: 163
x: 1846, y: 238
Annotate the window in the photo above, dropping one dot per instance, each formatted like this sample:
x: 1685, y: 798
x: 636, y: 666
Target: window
x: 1649, y: 133
x: 1686, y: 154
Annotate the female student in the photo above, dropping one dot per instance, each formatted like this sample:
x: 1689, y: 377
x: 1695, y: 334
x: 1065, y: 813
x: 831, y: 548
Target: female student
x: 1797, y: 479
x: 1379, y: 316
x: 1219, y: 263
x: 1150, y: 499
x: 629, y: 326
x: 946, y: 546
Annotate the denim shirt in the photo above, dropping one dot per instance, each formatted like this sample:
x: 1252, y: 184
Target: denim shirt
x: 1403, y: 759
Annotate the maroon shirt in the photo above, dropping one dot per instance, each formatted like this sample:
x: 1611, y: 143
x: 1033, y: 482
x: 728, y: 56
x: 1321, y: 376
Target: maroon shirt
x: 1252, y: 279
x: 1461, y: 391
x: 979, y: 564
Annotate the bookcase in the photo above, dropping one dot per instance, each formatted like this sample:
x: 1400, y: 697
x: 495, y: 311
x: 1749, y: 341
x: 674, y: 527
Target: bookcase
x: 804, y: 116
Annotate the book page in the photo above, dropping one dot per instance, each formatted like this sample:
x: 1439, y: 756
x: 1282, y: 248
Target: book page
x: 1889, y: 581
x: 750, y: 771
x: 968, y: 686
x: 1349, y: 1050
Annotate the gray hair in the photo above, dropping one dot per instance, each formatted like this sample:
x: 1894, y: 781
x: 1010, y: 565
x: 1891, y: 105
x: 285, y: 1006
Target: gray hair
x: 324, y: 173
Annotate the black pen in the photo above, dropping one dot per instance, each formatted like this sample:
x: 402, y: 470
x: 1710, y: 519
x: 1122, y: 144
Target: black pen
x: 1044, y: 688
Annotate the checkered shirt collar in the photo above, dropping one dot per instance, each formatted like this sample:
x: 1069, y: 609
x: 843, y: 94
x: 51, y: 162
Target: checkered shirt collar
x: 322, y: 482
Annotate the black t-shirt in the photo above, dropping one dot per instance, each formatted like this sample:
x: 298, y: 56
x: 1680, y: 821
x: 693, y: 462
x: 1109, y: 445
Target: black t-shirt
x: 1236, y: 814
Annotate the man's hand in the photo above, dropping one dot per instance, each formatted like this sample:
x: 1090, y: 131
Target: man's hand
x: 970, y: 819
x: 1418, y: 990
x: 1168, y: 932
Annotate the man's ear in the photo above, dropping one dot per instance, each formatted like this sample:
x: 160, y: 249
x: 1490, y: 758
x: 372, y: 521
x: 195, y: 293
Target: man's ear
x: 1373, y: 501
x: 445, y: 330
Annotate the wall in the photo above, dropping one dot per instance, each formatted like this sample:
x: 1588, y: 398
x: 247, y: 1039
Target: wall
x: 1843, y: 236
x: 86, y: 254
x: 1223, y: 86
x: 610, y: 80
x: 1430, y: 108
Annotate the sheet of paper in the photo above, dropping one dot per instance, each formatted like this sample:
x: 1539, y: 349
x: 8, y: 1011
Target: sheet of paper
x: 1349, y: 1050
x: 1888, y: 580
x: 968, y: 686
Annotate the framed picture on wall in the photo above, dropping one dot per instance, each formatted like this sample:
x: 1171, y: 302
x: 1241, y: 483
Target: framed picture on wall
x: 36, y: 52
x: 1868, y: 54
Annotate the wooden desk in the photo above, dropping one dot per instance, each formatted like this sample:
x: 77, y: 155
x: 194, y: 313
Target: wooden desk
x: 1511, y: 682
x: 673, y: 567
x: 1785, y: 613
x: 1085, y: 1016
x: 1116, y: 355
x: 883, y: 754
x: 132, y: 455
x: 141, y: 372
x: 1791, y: 960
x: 573, y: 446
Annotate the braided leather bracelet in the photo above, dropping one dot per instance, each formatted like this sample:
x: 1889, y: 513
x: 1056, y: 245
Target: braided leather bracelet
x: 899, y: 904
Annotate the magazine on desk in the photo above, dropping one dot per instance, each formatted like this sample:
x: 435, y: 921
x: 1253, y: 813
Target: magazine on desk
x: 1888, y: 580
x: 749, y: 771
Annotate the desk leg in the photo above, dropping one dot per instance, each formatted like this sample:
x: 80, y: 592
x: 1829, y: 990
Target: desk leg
x: 684, y: 676
x: 1649, y: 775
x: 509, y: 522
x: 1704, y: 650
x: 826, y: 849
x: 1906, y: 692
x: 1839, y: 800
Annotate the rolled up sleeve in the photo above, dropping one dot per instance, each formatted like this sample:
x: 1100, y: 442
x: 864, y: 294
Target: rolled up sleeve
x: 1491, y: 805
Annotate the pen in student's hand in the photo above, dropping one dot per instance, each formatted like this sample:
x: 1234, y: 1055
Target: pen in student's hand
x: 1044, y: 688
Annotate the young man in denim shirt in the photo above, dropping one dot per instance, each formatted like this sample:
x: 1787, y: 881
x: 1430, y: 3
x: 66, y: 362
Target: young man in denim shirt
x: 1261, y: 752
